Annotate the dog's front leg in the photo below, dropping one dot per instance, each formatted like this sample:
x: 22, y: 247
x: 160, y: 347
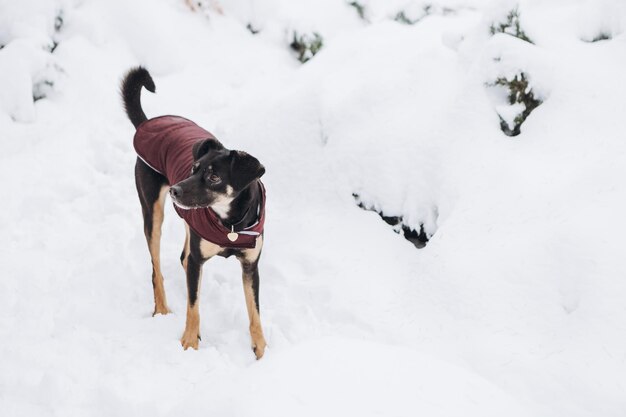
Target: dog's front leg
x: 250, y: 274
x: 192, y: 327
x: 251, y: 291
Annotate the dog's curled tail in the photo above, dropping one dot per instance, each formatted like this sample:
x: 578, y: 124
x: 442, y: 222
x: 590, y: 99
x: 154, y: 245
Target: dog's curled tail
x: 131, y: 93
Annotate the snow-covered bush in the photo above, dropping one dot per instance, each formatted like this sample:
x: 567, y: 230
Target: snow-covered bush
x: 418, y: 237
x: 600, y: 20
x: 410, y: 16
x: 401, y: 17
x: 28, y: 67
x: 511, y: 26
x: 602, y: 36
x: 306, y: 46
x: 521, y: 100
x: 413, y: 13
x: 509, y: 80
x: 360, y: 9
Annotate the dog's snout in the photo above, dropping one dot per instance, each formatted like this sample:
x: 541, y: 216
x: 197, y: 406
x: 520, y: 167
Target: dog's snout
x: 176, y: 191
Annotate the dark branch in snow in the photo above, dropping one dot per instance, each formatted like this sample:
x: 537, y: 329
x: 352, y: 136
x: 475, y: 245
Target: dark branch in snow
x: 602, y: 36
x: 360, y: 9
x: 427, y: 10
x: 43, y: 85
x: 417, y: 238
x: 41, y: 89
x: 252, y: 29
x: 402, y: 18
x: 59, y: 21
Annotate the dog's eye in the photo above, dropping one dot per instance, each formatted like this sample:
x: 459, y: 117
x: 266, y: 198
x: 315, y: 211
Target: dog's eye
x: 194, y: 168
x: 214, y: 179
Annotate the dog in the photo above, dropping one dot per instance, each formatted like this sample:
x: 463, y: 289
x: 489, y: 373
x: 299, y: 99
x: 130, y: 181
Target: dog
x: 218, y: 193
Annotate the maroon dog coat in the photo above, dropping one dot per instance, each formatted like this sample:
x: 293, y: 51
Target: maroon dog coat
x: 165, y: 143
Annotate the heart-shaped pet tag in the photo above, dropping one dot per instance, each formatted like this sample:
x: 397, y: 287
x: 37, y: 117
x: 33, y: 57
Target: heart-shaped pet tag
x: 232, y: 236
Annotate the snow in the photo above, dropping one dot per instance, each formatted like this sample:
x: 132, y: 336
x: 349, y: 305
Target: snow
x: 515, y: 306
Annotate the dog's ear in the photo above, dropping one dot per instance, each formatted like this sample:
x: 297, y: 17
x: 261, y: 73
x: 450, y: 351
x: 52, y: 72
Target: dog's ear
x: 202, y: 147
x: 245, y: 168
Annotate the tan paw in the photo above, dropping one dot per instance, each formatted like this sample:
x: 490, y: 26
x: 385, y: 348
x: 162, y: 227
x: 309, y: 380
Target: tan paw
x: 161, y: 309
x: 259, y: 348
x: 190, y: 340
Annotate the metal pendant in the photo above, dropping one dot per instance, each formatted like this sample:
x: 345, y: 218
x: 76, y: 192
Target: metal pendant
x: 232, y: 236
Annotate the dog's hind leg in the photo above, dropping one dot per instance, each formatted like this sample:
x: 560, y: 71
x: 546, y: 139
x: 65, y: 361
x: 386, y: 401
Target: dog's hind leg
x: 250, y: 274
x: 152, y: 188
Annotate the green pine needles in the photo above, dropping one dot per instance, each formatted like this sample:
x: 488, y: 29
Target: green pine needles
x: 511, y: 26
x: 519, y: 92
x: 306, y: 46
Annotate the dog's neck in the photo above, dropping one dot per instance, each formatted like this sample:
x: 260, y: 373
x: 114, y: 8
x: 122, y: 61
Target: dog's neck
x: 243, y: 210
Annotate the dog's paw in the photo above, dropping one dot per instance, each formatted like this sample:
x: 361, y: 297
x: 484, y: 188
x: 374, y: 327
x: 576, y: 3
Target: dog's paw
x: 190, y: 340
x: 161, y: 309
x: 259, y: 348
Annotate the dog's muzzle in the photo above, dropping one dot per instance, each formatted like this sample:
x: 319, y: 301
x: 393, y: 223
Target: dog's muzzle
x: 176, y: 192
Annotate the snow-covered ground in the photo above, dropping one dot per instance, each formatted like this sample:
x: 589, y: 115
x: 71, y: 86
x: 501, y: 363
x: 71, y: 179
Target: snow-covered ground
x: 516, y: 306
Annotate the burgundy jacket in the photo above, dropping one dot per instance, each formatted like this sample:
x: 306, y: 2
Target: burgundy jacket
x: 164, y: 143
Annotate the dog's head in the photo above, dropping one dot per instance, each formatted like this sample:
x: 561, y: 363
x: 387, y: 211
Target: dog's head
x: 217, y: 177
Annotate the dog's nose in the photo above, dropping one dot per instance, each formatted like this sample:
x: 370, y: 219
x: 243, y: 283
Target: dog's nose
x: 176, y: 191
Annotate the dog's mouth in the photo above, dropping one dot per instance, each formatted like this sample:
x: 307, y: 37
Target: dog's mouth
x: 184, y: 207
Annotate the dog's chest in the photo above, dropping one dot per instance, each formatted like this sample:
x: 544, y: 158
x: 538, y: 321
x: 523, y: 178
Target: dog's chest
x: 210, y: 249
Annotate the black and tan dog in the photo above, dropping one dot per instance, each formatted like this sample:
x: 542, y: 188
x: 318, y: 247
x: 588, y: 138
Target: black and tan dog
x: 216, y: 191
